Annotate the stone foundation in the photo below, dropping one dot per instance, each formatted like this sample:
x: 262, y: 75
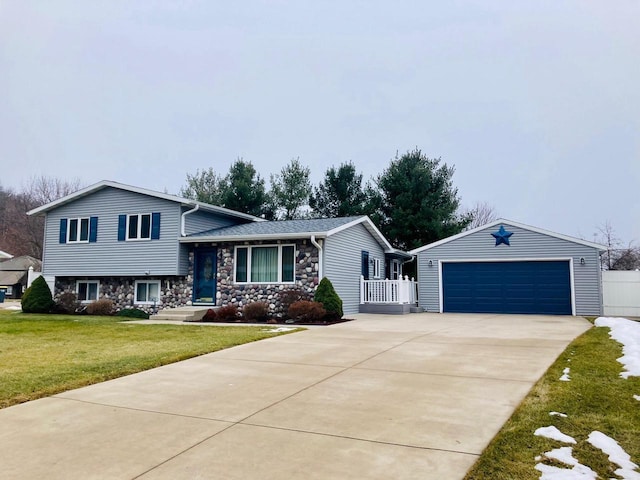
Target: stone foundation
x: 175, y: 291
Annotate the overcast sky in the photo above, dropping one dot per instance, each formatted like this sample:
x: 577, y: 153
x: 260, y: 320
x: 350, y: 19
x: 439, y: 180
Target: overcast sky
x: 537, y: 104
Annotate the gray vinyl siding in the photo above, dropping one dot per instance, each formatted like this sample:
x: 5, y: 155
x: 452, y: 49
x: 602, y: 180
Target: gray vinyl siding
x: 107, y: 256
x: 525, y: 244
x: 342, y: 263
x: 201, y: 221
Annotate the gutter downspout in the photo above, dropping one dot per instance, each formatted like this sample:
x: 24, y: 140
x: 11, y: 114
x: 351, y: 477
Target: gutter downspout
x: 183, y: 225
x: 320, y: 256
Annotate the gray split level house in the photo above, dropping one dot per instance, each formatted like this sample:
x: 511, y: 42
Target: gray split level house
x: 150, y: 250
x: 155, y: 251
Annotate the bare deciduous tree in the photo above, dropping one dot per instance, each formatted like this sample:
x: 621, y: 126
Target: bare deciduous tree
x: 21, y: 234
x: 481, y: 214
x: 616, y: 257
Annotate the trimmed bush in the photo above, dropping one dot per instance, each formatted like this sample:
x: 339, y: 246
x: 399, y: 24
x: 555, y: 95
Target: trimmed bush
x: 132, y: 313
x: 67, y: 303
x: 256, y: 312
x: 288, y: 297
x: 104, y: 306
x: 210, y: 316
x: 306, y: 311
x: 327, y: 296
x: 37, y: 298
x: 228, y: 313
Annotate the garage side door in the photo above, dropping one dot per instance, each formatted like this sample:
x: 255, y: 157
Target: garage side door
x: 507, y: 287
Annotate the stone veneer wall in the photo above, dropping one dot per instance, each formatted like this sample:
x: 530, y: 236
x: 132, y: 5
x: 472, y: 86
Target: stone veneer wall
x: 175, y: 291
x: 228, y: 293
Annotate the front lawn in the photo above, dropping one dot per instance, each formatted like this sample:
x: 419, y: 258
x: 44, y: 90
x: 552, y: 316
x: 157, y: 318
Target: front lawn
x: 41, y: 355
x: 592, y: 397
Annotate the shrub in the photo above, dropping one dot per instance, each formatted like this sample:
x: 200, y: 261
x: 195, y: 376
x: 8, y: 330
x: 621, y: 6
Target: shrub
x: 306, y: 311
x: 288, y: 297
x: 37, y: 298
x: 256, y: 312
x: 327, y: 296
x: 209, y: 316
x: 104, y: 306
x: 132, y: 313
x: 228, y: 313
x: 67, y: 303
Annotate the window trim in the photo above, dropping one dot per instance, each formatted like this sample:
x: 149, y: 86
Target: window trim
x: 376, y: 268
x: 78, y: 229
x: 139, y: 229
x: 279, y: 266
x: 97, y: 282
x: 147, y: 302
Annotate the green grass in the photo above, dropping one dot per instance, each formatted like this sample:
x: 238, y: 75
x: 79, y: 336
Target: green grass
x: 596, y: 398
x: 41, y: 355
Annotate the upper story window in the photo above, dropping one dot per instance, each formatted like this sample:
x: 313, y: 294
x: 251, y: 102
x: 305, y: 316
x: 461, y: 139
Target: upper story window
x: 265, y: 264
x: 139, y: 226
x: 79, y: 230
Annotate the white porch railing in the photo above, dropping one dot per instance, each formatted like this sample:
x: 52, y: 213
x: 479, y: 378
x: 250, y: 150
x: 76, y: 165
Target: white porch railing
x: 389, y: 291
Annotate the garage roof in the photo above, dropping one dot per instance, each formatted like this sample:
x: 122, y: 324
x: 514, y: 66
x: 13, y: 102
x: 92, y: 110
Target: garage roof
x: 504, y: 221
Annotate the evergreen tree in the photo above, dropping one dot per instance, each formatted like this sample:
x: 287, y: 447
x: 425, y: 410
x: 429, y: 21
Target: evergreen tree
x: 290, y: 191
x: 243, y: 189
x: 340, y: 194
x: 37, y: 298
x: 418, y: 203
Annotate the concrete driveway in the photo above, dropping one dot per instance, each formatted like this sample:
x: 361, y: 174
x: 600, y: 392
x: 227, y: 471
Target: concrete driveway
x: 415, y: 396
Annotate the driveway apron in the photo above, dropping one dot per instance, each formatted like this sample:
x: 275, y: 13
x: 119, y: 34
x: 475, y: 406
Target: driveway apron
x: 415, y: 396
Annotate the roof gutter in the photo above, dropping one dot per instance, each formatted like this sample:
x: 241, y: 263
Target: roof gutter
x: 183, y: 222
x: 319, y: 247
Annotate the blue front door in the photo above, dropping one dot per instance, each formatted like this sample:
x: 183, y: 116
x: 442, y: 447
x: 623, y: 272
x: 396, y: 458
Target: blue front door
x: 205, y: 275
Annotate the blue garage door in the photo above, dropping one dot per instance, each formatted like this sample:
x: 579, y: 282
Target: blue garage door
x: 507, y: 287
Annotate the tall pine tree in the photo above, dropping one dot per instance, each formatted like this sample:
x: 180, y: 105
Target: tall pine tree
x: 340, y: 194
x: 418, y: 203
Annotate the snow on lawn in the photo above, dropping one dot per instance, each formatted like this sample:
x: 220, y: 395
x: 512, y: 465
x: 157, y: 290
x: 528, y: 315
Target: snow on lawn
x: 565, y: 375
x: 616, y: 455
x: 558, y: 414
x: 565, y: 455
x: 627, y: 333
x: 278, y: 329
x: 554, y: 434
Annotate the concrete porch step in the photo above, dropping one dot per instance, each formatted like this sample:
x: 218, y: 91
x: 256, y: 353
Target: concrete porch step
x: 181, y: 314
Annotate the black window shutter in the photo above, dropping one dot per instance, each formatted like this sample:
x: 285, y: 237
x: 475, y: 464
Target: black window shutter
x: 155, y: 226
x: 63, y: 230
x: 93, y: 229
x: 122, y: 228
x: 365, y: 264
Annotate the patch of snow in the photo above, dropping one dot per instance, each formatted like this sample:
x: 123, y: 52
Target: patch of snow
x: 278, y: 329
x: 565, y: 455
x: 637, y: 397
x: 12, y: 307
x: 554, y: 434
x: 616, y: 454
x: 565, y: 375
x: 558, y: 414
x: 627, y: 333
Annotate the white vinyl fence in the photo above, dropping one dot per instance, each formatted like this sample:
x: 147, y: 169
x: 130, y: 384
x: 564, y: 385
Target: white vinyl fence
x: 621, y: 293
x: 50, y: 279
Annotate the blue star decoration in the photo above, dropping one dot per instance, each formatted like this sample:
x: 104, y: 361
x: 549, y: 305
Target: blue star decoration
x: 502, y: 236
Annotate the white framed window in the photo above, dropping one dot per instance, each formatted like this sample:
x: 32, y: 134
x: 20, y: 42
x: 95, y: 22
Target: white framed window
x: 9, y: 290
x: 147, y: 292
x: 265, y: 264
x: 395, y: 270
x: 78, y: 230
x: 139, y: 226
x: 376, y: 267
x: 87, y: 290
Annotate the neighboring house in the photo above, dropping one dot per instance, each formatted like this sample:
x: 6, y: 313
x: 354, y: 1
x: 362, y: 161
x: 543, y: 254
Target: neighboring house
x: 508, y: 267
x: 14, y: 274
x: 152, y: 250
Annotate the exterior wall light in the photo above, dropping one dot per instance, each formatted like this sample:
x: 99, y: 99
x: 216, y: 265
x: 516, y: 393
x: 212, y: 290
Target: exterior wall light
x: 582, y: 261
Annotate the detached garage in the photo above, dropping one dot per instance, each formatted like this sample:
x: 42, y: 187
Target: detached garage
x: 508, y: 267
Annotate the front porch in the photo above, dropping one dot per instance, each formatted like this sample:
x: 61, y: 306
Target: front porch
x: 389, y: 296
